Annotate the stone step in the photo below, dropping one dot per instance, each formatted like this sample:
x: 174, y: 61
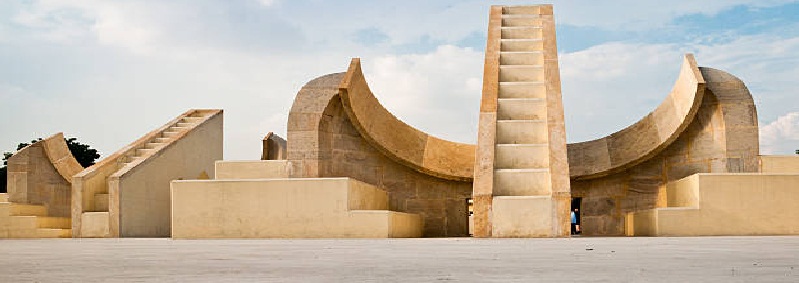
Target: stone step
x: 36, y: 233
x: 177, y: 129
x: 53, y: 222
x: 522, y: 132
x: 169, y: 133
x: 153, y: 145
x: 131, y: 157
x: 254, y: 169
x: 101, y: 202
x: 521, y: 45
x: 522, y: 182
x: 521, y: 109
x: 35, y: 222
x: 522, y: 32
x: 757, y: 202
x: 18, y: 209
x: 286, y: 208
x: 521, y: 58
x: 13, y: 223
x: 521, y: 20
x: 190, y: 119
x: 95, y: 225
x: 521, y: 156
x: 54, y: 233
x: 521, y: 73
x: 144, y: 151
x: 780, y: 164
x: 521, y: 216
x: 4, y: 197
x: 521, y: 10
x: 522, y: 90
x: 388, y: 224
x: 200, y: 114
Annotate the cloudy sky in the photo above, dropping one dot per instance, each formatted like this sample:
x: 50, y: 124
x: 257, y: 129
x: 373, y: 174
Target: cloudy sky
x: 108, y: 72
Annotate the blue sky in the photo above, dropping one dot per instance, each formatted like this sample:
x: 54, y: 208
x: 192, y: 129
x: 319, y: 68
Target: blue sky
x: 108, y: 72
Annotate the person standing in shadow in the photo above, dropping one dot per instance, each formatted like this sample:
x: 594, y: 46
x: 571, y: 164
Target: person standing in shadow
x: 575, y: 225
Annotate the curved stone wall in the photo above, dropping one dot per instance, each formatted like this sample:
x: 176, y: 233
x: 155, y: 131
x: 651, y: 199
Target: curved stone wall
x: 455, y: 161
x: 337, y: 128
x: 323, y: 142
x: 398, y: 140
x: 41, y: 174
x: 721, y: 138
x: 645, y: 138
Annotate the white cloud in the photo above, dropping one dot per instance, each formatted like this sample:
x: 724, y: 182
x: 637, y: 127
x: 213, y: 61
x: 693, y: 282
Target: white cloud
x: 780, y: 136
x: 610, y: 86
x: 643, y: 15
x: 77, y: 63
x: 267, y: 3
x: 123, y: 24
x: 57, y: 21
x: 118, y: 26
x: 437, y: 92
x: 8, y: 92
x: 445, y: 22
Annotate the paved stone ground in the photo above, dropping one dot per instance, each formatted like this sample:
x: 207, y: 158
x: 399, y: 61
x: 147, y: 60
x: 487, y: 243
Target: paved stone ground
x: 709, y: 259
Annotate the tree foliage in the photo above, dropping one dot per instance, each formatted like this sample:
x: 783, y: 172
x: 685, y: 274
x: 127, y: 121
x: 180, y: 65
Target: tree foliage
x: 83, y: 153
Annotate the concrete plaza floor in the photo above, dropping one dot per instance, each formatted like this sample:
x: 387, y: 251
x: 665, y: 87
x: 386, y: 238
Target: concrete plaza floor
x: 707, y: 259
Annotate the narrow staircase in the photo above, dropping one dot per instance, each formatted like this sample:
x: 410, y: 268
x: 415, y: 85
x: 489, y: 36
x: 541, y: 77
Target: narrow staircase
x: 521, y: 164
x: 521, y: 104
x: 96, y: 218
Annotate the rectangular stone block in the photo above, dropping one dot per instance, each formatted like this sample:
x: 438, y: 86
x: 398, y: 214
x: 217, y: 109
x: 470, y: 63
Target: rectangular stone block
x: 514, y: 217
x: 256, y: 169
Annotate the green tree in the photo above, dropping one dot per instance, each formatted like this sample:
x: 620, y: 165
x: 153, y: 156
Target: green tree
x: 4, y: 172
x: 83, y: 153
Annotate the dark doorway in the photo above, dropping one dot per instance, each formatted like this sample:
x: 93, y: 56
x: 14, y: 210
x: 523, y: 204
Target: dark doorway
x: 575, y: 208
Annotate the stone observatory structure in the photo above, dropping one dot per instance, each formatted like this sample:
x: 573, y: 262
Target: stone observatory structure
x: 39, y: 186
x: 349, y: 168
x: 671, y: 173
x: 127, y: 194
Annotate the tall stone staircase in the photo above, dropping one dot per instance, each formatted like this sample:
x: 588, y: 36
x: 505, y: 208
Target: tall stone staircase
x: 521, y: 177
x: 30, y: 221
x: 521, y: 164
x: 95, y: 217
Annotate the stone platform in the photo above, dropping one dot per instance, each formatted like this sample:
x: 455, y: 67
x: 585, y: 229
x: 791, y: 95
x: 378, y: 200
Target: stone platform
x: 661, y: 259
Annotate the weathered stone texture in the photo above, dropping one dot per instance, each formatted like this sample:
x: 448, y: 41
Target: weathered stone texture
x: 333, y: 147
x: 442, y: 203
x: 36, y: 175
x: 714, y: 142
x: 646, y: 138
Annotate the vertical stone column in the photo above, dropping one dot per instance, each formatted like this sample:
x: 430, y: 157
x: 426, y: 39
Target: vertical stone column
x: 558, y: 163
x: 482, y: 194
x: 521, y: 183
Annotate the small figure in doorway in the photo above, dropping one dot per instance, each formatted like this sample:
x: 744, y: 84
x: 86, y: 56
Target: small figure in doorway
x: 575, y: 224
